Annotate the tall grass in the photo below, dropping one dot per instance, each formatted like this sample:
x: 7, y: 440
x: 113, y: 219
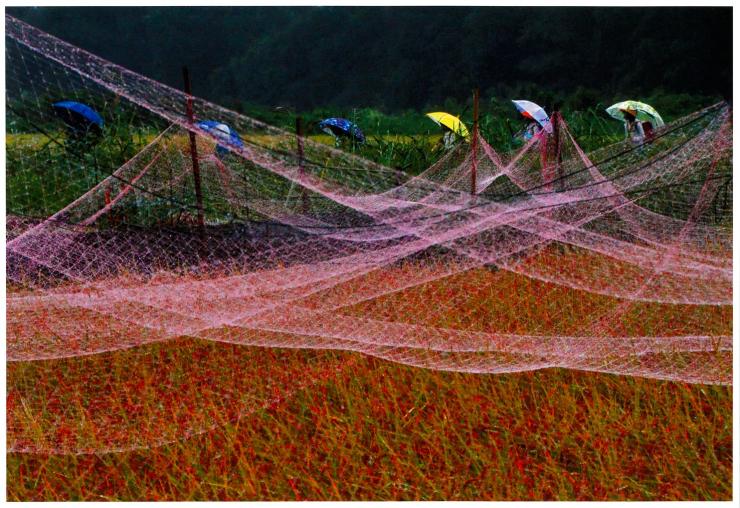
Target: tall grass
x: 365, y: 429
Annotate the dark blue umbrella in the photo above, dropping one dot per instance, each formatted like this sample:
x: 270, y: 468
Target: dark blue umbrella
x: 342, y: 127
x: 80, y: 117
x: 223, y: 133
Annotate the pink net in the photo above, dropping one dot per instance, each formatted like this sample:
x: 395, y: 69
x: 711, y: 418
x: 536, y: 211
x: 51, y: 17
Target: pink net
x: 614, y: 261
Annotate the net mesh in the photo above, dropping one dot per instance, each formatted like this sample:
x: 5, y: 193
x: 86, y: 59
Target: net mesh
x: 616, y: 260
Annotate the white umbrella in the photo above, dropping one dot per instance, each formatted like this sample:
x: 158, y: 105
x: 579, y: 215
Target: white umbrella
x: 534, y: 112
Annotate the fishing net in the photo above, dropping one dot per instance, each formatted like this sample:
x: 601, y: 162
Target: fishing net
x: 140, y: 258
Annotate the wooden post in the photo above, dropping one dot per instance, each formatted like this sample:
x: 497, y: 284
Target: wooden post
x: 474, y: 143
x: 558, y: 159
x: 193, y: 147
x: 301, y: 168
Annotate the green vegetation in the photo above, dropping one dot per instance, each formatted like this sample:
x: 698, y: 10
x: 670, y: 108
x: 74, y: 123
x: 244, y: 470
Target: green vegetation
x: 46, y: 170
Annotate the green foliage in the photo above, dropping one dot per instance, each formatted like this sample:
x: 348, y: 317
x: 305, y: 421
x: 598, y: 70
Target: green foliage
x: 48, y: 167
x: 409, y: 140
x: 45, y: 174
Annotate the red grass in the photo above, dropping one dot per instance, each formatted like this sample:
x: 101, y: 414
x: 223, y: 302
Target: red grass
x: 220, y: 421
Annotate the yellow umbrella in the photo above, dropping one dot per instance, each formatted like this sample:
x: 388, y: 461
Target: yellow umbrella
x: 451, y: 122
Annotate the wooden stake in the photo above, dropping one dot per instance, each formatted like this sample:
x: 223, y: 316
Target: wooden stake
x: 193, y: 147
x: 474, y: 143
x: 558, y: 159
x: 301, y: 168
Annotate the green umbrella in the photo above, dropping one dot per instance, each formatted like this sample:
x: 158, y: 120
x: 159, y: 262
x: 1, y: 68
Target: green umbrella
x: 643, y: 112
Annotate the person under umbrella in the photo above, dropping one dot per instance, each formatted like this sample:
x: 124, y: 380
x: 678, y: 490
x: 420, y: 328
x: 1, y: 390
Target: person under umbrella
x: 80, y: 118
x: 640, y: 120
x: 537, y: 117
x: 224, y: 134
x: 452, y: 126
x: 342, y: 128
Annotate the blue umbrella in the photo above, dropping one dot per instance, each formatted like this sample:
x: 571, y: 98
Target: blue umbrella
x: 342, y: 127
x: 223, y: 133
x: 78, y: 116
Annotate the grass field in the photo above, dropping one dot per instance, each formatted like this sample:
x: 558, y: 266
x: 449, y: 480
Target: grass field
x: 376, y: 430
x: 223, y: 421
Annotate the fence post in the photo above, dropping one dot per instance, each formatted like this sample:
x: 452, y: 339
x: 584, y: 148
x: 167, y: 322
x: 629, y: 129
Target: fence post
x: 558, y: 159
x: 301, y: 168
x: 193, y: 147
x: 474, y: 143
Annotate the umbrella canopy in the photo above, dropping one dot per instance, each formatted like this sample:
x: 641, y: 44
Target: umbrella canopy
x: 534, y: 112
x: 643, y: 112
x: 338, y: 127
x: 450, y: 122
x: 223, y: 133
x: 78, y: 116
